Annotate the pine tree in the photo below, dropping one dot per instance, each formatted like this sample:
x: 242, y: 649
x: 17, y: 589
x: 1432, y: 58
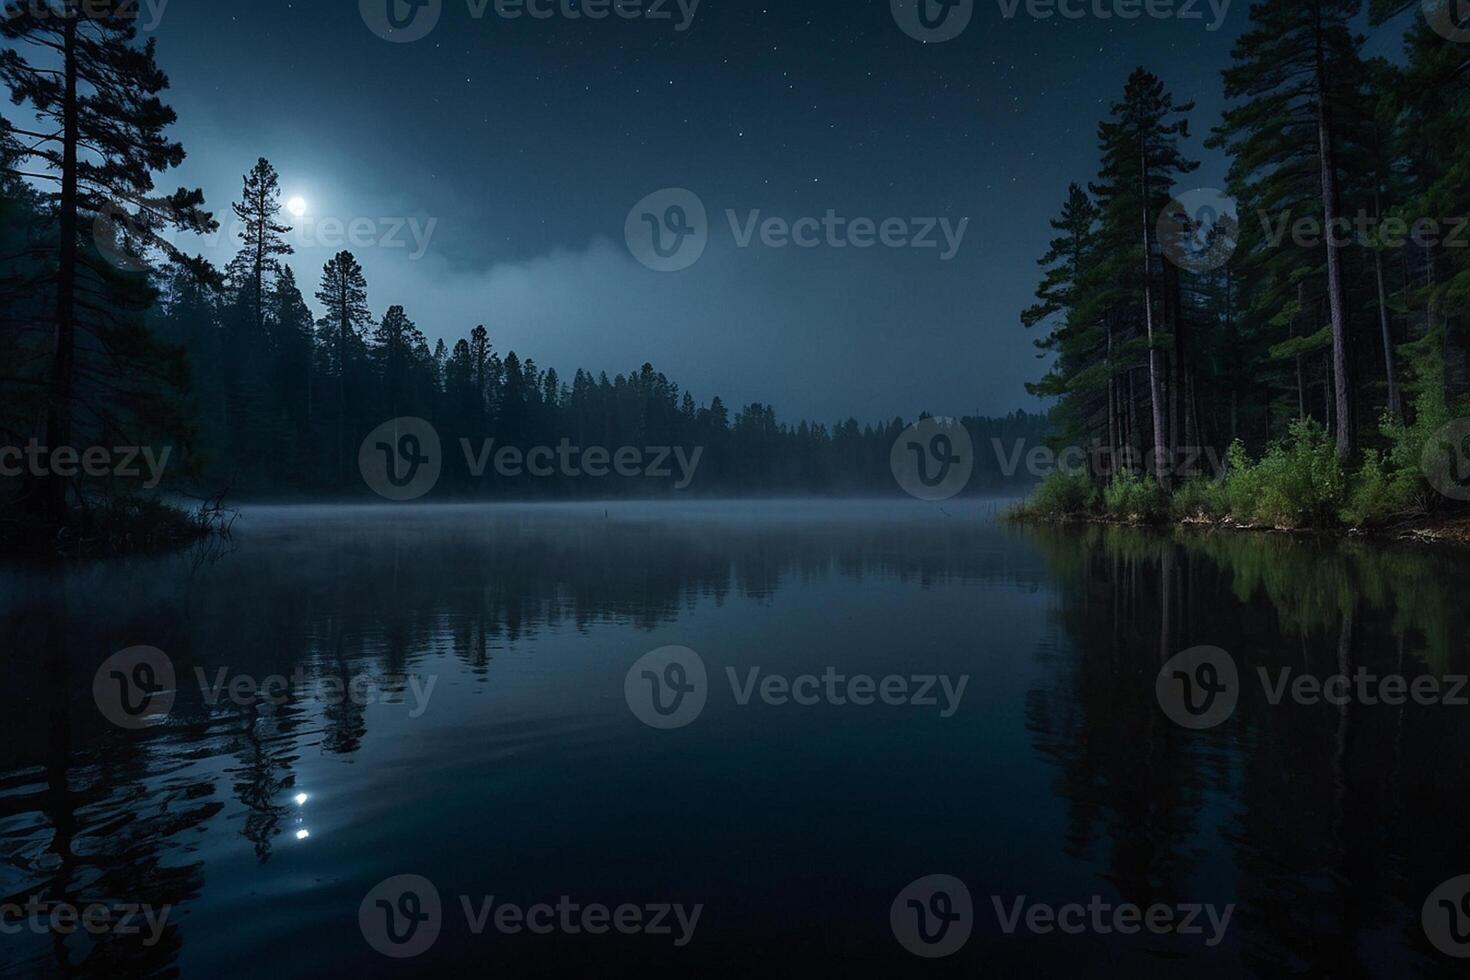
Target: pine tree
x: 96, y: 94
x: 289, y: 321
x: 395, y: 344
x: 1141, y: 163
x: 344, y: 294
x: 1292, y: 69
x: 261, y: 238
x: 1062, y: 297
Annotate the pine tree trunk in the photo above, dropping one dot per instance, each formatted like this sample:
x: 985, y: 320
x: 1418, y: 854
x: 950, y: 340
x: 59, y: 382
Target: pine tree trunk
x: 342, y: 328
x: 1175, y: 364
x: 1112, y: 403
x: 1301, y: 375
x: 1155, y: 365
x: 1347, y: 435
x: 1394, y: 405
x: 63, y: 365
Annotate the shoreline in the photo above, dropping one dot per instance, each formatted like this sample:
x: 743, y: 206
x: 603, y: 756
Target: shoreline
x: 1429, y: 531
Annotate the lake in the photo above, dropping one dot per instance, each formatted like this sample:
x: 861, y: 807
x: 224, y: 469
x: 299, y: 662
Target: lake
x: 752, y: 738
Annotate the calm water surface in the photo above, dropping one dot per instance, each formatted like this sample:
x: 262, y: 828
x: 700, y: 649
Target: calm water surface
x: 523, y: 774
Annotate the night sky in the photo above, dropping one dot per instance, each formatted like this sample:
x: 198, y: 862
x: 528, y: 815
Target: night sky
x: 529, y: 141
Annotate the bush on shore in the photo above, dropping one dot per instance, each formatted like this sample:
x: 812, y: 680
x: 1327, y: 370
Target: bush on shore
x: 1296, y: 484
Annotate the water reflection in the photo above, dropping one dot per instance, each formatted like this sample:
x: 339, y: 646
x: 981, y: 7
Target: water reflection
x: 1338, y: 819
x: 1327, y: 825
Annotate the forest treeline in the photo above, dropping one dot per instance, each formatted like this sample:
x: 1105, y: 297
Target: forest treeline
x: 1316, y: 336
x: 115, y: 336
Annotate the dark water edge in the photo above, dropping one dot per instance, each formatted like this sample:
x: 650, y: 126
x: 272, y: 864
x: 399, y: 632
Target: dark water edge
x: 527, y: 776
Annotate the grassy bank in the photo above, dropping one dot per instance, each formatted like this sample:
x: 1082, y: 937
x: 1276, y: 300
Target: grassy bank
x: 117, y: 525
x: 1297, y: 484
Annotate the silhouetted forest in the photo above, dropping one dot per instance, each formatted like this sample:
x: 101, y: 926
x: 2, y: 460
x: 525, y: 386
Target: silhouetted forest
x: 114, y: 336
x: 1330, y: 299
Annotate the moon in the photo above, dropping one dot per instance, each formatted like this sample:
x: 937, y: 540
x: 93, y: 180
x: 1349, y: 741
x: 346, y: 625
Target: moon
x: 297, y: 206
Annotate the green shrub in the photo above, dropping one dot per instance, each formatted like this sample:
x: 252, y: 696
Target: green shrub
x: 1298, y: 483
x: 1201, y: 497
x: 1130, y: 497
x: 1063, y: 494
x: 1242, y: 484
x: 1374, y: 497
